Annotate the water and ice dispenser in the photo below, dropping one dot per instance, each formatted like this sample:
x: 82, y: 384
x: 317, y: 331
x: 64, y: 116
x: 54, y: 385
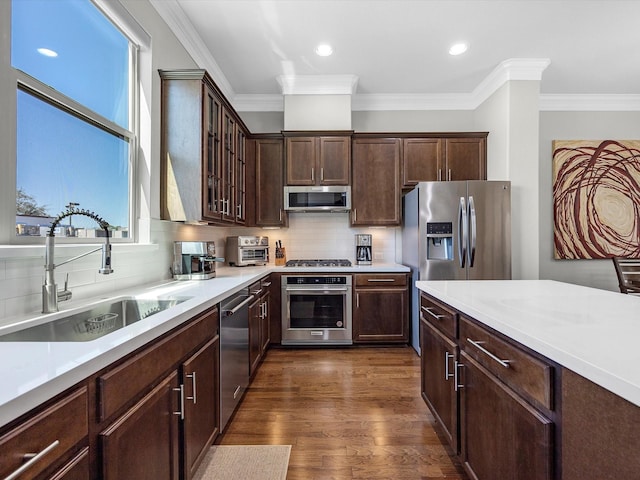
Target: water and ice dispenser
x: 439, y: 241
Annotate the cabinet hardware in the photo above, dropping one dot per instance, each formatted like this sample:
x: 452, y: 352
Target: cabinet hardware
x: 355, y: 215
x: 32, y: 458
x: 449, y: 175
x: 430, y: 312
x: 456, y: 376
x: 236, y: 392
x: 192, y: 376
x: 357, y: 300
x: 380, y: 280
x: 280, y: 213
x: 439, y: 174
x: 239, y: 211
x: 477, y: 344
x: 266, y: 284
x: 447, y: 374
x: 181, y: 412
x: 322, y: 173
x: 313, y: 177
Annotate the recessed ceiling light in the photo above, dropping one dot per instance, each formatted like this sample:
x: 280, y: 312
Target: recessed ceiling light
x: 324, y: 50
x: 458, y: 49
x: 47, y: 52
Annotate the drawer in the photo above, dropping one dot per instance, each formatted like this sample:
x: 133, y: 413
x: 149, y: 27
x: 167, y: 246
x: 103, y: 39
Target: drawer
x: 128, y: 380
x: 526, y: 374
x: 54, y: 431
x: 381, y: 280
x: 439, y: 315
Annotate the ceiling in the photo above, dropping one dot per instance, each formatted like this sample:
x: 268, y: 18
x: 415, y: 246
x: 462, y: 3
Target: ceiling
x: 397, y: 50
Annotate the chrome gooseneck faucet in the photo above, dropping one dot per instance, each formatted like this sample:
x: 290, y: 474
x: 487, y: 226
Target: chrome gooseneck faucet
x: 50, y: 293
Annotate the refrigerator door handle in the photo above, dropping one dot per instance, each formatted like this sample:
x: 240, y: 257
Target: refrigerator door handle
x: 463, y: 233
x: 472, y: 231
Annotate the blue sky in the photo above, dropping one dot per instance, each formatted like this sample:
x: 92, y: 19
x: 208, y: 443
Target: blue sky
x: 60, y: 158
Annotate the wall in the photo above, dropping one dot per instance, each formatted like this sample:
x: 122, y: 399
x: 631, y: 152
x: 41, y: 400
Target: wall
x: 576, y: 126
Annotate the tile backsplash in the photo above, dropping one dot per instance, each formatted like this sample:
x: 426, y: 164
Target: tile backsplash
x: 310, y: 235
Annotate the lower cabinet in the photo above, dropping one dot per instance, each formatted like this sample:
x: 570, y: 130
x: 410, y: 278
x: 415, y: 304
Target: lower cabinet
x: 259, y: 323
x: 502, y: 435
x: 380, y: 308
x: 144, y: 442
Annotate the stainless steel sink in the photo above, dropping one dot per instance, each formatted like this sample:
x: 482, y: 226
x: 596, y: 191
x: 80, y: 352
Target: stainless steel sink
x: 95, y: 322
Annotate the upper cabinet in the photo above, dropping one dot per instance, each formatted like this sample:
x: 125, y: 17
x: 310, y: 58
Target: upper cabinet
x: 444, y: 157
x: 320, y: 159
x: 203, y: 163
x: 375, y: 192
x: 266, y: 165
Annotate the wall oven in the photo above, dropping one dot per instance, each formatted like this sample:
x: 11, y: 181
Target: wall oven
x: 316, y: 309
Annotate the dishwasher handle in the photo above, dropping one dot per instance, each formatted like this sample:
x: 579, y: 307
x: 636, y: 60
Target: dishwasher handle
x: 228, y: 312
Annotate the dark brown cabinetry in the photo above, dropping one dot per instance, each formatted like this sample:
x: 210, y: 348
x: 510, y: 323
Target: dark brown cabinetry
x: 493, y: 398
x: 444, y: 158
x: 59, y: 433
x: 380, y: 312
x: 203, y: 151
x: 317, y: 160
x: 259, y: 323
x: 144, y: 442
x: 267, y: 159
x: 376, y: 181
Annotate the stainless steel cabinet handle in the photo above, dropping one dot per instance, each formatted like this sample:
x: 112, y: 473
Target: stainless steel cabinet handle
x: 321, y: 173
x: 192, y: 376
x: 237, y: 391
x: 439, y: 174
x: 280, y: 214
x: 33, y: 459
x: 313, y: 176
x: 449, y: 175
x: 355, y: 215
x: 357, y: 300
x: 266, y: 284
x: 239, y: 211
x: 430, y: 312
x: 478, y: 345
x: 181, y: 412
x: 447, y: 374
x: 456, y: 376
x: 380, y: 280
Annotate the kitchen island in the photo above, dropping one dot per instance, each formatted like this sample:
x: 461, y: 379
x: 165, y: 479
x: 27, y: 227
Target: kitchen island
x: 553, y: 367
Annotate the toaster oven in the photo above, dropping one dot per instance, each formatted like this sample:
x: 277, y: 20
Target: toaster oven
x: 244, y: 250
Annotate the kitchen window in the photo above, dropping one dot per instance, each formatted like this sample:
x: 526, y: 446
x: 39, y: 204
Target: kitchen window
x: 76, y: 117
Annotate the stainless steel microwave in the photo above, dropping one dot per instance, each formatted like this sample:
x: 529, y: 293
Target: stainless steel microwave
x: 318, y: 198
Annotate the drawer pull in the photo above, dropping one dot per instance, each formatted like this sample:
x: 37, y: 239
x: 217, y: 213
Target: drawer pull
x: 434, y: 315
x: 477, y: 344
x: 266, y: 284
x: 33, y: 458
x: 380, y: 280
x: 447, y: 374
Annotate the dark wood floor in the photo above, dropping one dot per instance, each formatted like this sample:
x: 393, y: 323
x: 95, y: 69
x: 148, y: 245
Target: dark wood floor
x: 348, y: 413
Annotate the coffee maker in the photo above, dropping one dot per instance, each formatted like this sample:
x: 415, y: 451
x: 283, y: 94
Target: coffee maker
x: 363, y: 249
x: 194, y: 260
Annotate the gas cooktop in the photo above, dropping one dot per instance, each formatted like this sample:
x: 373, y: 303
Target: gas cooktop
x: 318, y: 263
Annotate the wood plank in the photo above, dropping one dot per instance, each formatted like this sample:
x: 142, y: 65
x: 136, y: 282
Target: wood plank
x: 349, y: 413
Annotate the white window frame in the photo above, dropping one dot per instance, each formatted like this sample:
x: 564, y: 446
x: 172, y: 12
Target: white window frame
x: 14, y: 80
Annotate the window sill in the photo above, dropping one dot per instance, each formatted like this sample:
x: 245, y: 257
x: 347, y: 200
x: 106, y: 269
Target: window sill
x: 35, y: 251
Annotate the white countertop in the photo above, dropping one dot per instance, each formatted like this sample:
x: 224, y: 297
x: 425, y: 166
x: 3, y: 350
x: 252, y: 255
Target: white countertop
x: 593, y: 332
x: 33, y: 372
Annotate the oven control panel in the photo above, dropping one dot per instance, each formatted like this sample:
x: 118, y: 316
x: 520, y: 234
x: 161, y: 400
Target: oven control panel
x: 318, y: 280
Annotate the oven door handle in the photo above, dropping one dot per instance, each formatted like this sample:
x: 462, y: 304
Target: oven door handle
x: 316, y: 290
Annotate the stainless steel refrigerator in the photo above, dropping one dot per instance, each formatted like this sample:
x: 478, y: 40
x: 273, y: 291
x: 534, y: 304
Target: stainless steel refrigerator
x: 456, y: 231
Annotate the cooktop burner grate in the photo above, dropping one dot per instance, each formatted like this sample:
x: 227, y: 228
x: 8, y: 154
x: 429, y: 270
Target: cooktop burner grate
x: 319, y: 263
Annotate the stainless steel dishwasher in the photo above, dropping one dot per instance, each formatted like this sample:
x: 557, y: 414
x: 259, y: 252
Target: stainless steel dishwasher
x: 234, y: 352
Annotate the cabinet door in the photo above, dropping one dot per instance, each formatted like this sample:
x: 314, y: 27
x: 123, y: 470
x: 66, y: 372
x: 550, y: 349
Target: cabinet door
x: 380, y: 315
x: 438, y: 356
x: 502, y: 435
x: 301, y: 160
x: 334, y: 160
x: 144, y: 442
x: 255, y: 342
x: 241, y: 177
x: 269, y: 183
x: 376, y: 182
x: 228, y: 166
x: 212, y: 200
x: 265, y: 320
x: 202, y: 403
x: 421, y: 160
x: 465, y: 159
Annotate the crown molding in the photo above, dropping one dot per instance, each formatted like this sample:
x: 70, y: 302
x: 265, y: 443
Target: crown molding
x: 596, y: 103
x: 183, y: 29
x: 318, y: 84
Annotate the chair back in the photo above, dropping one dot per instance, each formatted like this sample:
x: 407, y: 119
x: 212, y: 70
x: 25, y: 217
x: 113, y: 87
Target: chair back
x: 628, y: 272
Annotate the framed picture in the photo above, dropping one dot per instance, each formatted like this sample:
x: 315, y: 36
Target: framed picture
x: 596, y: 198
